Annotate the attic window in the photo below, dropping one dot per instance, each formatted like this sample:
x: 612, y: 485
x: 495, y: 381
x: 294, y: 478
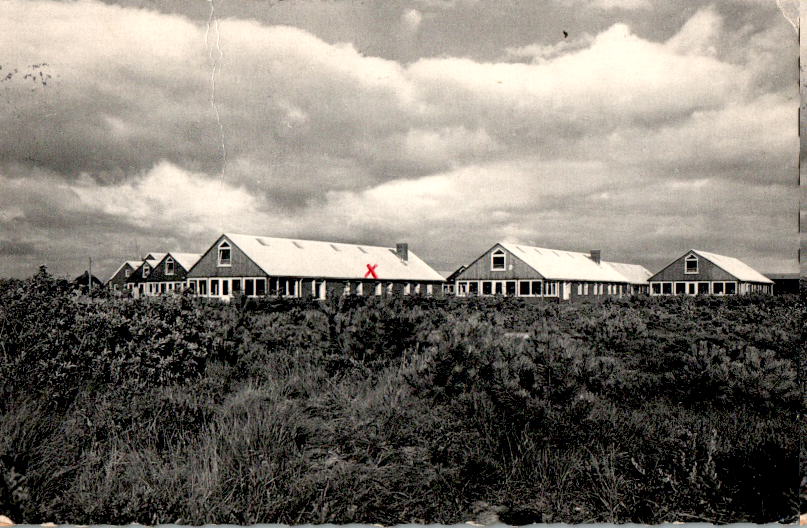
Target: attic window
x: 146, y: 270
x: 497, y: 260
x: 169, y: 266
x: 691, y: 264
x: 225, y: 254
x: 127, y: 272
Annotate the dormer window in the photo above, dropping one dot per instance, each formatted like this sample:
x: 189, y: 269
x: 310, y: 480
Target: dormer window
x: 225, y: 254
x: 127, y: 272
x: 146, y: 270
x: 169, y: 266
x: 691, y: 265
x: 497, y: 261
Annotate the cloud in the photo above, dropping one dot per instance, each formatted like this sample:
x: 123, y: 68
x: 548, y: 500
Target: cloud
x: 16, y: 248
x: 601, y: 139
x: 608, y: 4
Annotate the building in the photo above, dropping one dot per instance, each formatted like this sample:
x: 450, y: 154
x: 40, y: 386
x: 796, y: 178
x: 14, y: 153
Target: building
x: 256, y: 266
x: 450, y: 277
x: 169, y: 274
x: 515, y: 270
x: 118, y: 279
x: 785, y: 283
x: 136, y: 279
x: 701, y: 273
x: 84, y: 280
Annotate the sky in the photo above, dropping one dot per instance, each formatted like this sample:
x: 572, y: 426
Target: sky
x: 639, y: 127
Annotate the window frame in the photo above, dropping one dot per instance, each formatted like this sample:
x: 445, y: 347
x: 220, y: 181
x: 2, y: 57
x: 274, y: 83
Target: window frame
x: 496, y: 254
x: 171, y: 261
x: 687, y: 260
x: 229, y: 249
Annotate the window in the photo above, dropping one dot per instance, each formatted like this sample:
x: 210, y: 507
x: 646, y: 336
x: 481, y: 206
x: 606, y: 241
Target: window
x: 260, y: 286
x: 523, y: 288
x: 225, y: 287
x: 462, y: 288
x: 666, y: 288
x: 717, y: 288
x: 236, y: 286
x: 146, y: 270
x: 203, y: 287
x: 497, y: 288
x: 703, y: 288
x: 169, y: 266
x: 731, y: 288
x: 537, y: 288
x: 497, y: 260
x: 127, y: 272
x: 487, y: 288
x: 473, y: 288
x: 249, y: 287
x: 691, y: 288
x: 691, y: 264
x: 551, y: 288
x: 214, y: 287
x: 680, y: 288
x: 656, y: 288
x: 225, y: 256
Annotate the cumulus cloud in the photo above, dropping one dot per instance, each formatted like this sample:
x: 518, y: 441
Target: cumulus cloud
x: 603, y: 138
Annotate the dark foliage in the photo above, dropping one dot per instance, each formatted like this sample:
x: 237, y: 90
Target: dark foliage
x: 179, y: 410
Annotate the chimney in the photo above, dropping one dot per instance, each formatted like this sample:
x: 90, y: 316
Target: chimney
x: 595, y: 255
x: 402, y: 250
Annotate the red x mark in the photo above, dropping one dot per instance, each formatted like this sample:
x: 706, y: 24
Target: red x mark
x: 371, y: 271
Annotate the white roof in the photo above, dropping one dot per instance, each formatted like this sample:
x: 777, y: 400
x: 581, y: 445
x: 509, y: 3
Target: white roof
x: 309, y: 258
x: 186, y: 260
x: 635, y: 273
x: 133, y: 263
x: 555, y: 264
x: 155, y: 258
x: 734, y: 266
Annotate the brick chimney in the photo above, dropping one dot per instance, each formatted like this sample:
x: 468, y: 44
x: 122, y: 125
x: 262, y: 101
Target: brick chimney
x: 595, y: 255
x: 402, y: 250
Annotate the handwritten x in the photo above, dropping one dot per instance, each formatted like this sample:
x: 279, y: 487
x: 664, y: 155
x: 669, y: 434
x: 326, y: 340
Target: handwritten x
x: 371, y: 271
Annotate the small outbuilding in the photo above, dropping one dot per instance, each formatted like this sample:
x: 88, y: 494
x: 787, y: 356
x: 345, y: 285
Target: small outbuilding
x: 699, y: 272
x: 85, y: 280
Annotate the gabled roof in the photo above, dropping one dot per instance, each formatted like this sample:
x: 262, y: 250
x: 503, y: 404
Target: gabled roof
x: 153, y: 258
x: 734, y: 266
x: 635, y: 273
x: 132, y: 263
x: 310, y: 258
x: 555, y: 264
x: 186, y: 260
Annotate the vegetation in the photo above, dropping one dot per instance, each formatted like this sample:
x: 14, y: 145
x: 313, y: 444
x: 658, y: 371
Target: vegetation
x: 177, y: 410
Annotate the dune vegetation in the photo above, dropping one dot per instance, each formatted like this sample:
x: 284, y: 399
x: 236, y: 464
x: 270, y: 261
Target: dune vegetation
x: 180, y: 410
